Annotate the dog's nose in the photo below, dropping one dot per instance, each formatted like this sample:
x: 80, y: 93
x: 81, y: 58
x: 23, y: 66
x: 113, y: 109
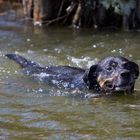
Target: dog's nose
x: 125, y: 74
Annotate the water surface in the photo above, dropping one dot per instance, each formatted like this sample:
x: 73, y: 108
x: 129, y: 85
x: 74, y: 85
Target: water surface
x: 31, y: 110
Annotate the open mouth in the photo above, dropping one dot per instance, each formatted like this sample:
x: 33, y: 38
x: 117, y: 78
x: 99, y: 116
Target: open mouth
x: 110, y: 86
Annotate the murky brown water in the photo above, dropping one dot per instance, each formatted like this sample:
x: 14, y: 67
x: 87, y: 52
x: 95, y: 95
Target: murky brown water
x: 30, y: 110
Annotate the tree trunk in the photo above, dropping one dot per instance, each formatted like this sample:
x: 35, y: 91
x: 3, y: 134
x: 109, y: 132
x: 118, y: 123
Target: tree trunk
x: 27, y: 8
x: 83, y: 13
x: 138, y: 9
x: 50, y: 9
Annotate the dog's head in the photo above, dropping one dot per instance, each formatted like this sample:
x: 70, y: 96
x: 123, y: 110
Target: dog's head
x: 112, y: 74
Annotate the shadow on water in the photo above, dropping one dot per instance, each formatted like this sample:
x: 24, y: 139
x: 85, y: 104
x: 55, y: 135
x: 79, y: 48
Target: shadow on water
x: 32, y: 110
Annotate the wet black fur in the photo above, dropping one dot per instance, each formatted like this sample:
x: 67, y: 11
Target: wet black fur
x: 77, y: 78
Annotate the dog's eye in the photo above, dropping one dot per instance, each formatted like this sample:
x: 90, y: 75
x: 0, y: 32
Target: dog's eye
x: 127, y: 66
x: 109, y: 68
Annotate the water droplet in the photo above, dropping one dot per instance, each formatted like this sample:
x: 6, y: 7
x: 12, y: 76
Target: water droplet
x: 40, y: 90
x: 28, y: 39
x: 113, y: 51
x: 45, y: 50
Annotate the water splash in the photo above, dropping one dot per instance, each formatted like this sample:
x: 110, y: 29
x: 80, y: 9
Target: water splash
x: 82, y: 62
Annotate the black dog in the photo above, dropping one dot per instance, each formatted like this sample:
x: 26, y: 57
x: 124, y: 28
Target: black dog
x: 112, y: 74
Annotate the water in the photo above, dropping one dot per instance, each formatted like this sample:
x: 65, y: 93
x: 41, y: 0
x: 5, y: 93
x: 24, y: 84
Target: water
x: 31, y: 110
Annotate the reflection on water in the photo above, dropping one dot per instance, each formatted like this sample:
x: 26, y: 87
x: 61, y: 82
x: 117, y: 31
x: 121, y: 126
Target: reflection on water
x: 31, y: 110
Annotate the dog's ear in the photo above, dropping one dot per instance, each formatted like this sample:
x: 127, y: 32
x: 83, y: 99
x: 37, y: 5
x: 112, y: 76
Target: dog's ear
x: 136, y: 69
x: 90, y: 77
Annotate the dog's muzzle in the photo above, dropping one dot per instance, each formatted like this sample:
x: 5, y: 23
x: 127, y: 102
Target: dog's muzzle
x: 117, y: 83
